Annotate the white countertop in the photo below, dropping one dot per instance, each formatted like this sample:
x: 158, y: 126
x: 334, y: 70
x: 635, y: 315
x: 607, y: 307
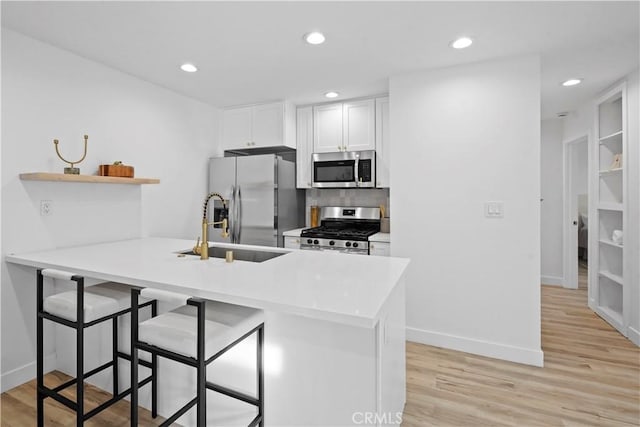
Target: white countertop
x: 294, y: 233
x: 348, y: 289
x: 380, y: 237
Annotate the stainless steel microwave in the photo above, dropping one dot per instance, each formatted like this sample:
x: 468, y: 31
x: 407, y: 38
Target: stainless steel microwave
x: 344, y: 169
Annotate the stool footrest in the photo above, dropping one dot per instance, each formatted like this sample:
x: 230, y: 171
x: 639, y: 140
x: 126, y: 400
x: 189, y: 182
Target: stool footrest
x: 257, y: 420
x: 56, y: 396
x: 144, y: 363
x: 87, y: 375
x: 180, y: 413
x: 233, y: 393
x: 114, y: 399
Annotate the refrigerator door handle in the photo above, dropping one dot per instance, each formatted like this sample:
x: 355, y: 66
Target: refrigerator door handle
x: 232, y: 215
x: 238, y: 214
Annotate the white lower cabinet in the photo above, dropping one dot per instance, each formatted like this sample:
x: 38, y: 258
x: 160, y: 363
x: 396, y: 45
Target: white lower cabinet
x: 380, y: 248
x: 292, y: 242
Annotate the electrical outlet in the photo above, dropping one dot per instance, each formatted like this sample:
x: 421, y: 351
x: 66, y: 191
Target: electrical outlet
x: 46, y: 207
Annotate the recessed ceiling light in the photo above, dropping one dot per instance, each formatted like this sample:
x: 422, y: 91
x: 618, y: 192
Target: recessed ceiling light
x: 314, y: 37
x: 331, y: 94
x: 572, y: 82
x: 461, y: 43
x: 189, y: 68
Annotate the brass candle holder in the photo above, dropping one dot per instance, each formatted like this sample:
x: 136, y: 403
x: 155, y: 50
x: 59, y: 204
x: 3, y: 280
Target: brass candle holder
x: 72, y: 170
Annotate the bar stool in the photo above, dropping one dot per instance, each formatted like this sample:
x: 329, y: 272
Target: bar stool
x: 80, y: 309
x: 196, y: 339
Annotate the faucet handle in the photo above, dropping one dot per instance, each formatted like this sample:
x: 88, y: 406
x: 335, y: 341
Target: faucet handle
x: 196, y: 248
x: 225, y: 228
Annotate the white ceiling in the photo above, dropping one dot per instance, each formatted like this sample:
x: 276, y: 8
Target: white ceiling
x: 253, y: 51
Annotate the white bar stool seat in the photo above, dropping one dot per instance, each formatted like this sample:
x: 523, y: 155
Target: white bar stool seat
x: 100, y: 300
x: 177, y: 330
x: 80, y: 309
x: 196, y: 334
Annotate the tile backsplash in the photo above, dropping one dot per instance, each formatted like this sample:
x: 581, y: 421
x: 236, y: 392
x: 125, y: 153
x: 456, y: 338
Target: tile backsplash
x: 372, y: 197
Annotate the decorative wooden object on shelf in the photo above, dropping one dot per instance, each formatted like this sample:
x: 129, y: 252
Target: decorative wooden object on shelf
x: 46, y: 176
x: 116, y: 170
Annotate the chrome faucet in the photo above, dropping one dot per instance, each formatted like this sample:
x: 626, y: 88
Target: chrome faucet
x: 202, y: 247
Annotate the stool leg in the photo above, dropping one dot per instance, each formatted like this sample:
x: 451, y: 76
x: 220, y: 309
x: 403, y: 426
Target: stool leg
x: 154, y: 371
x: 114, y: 349
x: 260, y: 366
x: 134, y: 356
x: 201, y: 370
x: 40, y: 349
x: 80, y: 351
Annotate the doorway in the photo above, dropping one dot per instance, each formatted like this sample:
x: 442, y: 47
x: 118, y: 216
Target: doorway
x: 576, y: 213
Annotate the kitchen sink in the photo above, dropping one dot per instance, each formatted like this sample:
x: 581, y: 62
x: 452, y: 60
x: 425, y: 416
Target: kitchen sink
x: 239, y: 254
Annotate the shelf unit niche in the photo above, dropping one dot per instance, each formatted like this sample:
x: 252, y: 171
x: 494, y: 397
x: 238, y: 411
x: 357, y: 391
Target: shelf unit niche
x: 610, y: 298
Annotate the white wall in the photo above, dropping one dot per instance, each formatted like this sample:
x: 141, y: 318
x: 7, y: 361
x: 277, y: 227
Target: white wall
x: 50, y: 93
x: 463, y: 136
x: 551, y: 206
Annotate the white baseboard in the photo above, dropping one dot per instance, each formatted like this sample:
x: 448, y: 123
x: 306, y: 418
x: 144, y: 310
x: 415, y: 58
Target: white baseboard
x: 483, y: 348
x: 25, y: 373
x: 552, y: 280
x: 634, y: 335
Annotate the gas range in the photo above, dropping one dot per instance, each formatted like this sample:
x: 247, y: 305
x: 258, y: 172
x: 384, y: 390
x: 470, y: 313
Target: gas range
x: 343, y: 229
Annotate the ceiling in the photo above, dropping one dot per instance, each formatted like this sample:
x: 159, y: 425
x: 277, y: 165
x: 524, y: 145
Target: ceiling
x: 250, y: 52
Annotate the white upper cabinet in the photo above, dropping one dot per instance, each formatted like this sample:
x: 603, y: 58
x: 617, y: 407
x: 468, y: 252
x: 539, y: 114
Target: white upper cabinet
x: 348, y: 126
x: 304, y: 143
x: 382, y: 143
x: 259, y: 126
x: 327, y: 136
x: 236, y: 127
x: 358, y: 124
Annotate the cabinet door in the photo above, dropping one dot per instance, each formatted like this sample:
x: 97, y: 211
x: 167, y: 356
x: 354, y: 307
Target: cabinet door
x: 358, y: 123
x: 380, y: 248
x: 268, y: 123
x: 382, y: 143
x: 327, y: 124
x: 291, y: 242
x: 236, y: 128
x: 304, y: 144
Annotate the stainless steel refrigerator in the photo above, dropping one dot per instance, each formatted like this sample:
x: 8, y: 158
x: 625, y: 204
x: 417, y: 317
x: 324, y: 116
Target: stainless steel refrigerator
x: 262, y: 198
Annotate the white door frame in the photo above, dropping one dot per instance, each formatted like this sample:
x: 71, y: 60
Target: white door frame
x: 569, y: 219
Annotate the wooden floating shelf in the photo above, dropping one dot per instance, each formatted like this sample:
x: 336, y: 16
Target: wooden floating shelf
x: 60, y: 177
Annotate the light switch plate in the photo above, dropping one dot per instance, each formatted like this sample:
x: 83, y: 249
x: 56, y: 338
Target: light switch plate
x: 494, y: 209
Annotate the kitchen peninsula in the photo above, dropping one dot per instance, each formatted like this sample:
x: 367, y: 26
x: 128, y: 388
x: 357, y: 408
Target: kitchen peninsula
x: 335, y: 323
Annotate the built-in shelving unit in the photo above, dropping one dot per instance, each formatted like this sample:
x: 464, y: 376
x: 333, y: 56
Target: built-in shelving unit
x: 60, y: 177
x: 609, y: 296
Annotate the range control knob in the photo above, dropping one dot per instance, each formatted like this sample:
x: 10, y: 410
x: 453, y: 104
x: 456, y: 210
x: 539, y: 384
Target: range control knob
x: 331, y: 243
x: 309, y: 241
x: 348, y: 244
x: 315, y: 242
x: 355, y: 244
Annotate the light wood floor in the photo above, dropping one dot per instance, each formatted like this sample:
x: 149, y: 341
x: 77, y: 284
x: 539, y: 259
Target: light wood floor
x: 18, y: 407
x: 590, y: 378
